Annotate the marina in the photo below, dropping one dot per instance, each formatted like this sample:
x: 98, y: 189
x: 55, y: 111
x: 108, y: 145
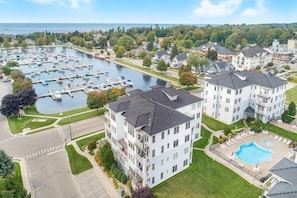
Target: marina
x: 62, y: 76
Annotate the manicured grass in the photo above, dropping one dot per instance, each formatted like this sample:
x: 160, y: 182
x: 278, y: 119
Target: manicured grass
x: 147, y: 70
x: 291, y: 95
x: 17, y: 126
x: 205, y: 178
x: 215, y: 140
x: 78, y: 163
x: 80, y: 117
x: 217, y: 125
x: 280, y: 131
x: 18, y: 173
x: 71, y: 112
x: 84, y: 142
x: 205, y: 135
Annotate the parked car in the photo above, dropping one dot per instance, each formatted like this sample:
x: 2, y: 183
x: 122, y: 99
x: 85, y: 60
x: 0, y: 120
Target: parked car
x: 6, y: 80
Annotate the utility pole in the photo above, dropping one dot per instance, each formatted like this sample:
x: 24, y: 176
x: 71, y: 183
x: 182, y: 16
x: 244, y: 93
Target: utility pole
x: 70, y: 132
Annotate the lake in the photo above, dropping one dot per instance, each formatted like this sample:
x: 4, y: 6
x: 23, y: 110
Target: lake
x: 75, y: 59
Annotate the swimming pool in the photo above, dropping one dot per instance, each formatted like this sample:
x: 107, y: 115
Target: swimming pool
x: 252, y: 153
x: 267, y: 143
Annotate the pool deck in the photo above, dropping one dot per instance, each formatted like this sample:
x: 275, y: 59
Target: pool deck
x: 280, y: 148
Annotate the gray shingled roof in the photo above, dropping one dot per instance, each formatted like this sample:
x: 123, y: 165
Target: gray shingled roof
x: 220, y: 49
x: 152, y: 110
x: 181, y: 57
x: 254, y: 51
x: 161, y: 53
x: 232, y: 80
x: 287, y: 170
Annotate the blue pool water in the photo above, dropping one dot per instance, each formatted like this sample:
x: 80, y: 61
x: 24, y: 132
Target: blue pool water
x: 253, y: 154
x: 267, y: 143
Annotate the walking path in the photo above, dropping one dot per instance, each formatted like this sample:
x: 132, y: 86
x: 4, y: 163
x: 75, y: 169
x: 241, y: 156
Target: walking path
x: 213, y: 156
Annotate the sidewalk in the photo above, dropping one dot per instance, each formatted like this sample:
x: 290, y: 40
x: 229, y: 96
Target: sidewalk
x: 104, y: 179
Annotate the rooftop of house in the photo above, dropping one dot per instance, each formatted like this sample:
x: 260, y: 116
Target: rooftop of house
x: 213, y: 45
x: 254, y: 51
x: 240, y: 79
x: 154, y: 110
x: 287, y: 187
x: 161, y: 53
x: 182, y: 57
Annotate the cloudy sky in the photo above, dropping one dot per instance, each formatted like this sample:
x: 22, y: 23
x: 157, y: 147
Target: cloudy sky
x: 150, y: 11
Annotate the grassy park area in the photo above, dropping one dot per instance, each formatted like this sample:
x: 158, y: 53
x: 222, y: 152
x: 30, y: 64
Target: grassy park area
x: 85, y: 141
x: 205, y: 178
x: 291, y: 95
x: 78, y: 163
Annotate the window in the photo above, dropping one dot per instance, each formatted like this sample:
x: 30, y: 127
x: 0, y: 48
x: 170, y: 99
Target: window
x: 228, y: 91
x: 234, y: 110
x: 176, y: 130
x: 168, y: 145
x: 186, y: 150
x: 175, y: 156
x: 131, y: 130
x: 154, y: 139
x: 194, y: 106
x: 238, y: 108
x: 197, y: 126
x: 162, y: 135
x: 175, y: 143
x: 227, y: 100
x: 174, y: 168
x: 153, y: 166
x: 162, y: 162
x: 226, y: 109
x: 236, y: 92
x: 197, y: 115
x: 235, y: 101
x: 162, y: 149
x: 187, y: 138
x: 168, y: 132
x: 240, y: 91
x: 187, y: 125
x: 153, y: 153
x: 239, y: 99
x: 161, y: 175
x: 153, y: 180
x: 185, y: 162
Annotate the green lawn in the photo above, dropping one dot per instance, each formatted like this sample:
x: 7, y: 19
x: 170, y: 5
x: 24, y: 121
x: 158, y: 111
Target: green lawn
x: 18, y: 173
x: 205, y: 178
x: 291, y: 95
x: 80, y: 117
x: 17, y: 126
x: 71, y: 112
x: 205, y: 135
x: 78, y: 163
x: 217, y: 125
x: 282, y: 132
x: 86, y: 141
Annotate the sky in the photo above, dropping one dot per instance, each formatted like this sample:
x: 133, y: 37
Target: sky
x: 149, y: 11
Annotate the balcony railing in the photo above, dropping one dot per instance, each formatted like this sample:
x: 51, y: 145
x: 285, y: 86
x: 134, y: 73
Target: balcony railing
x: 261, y: 103
x: 263, y: 95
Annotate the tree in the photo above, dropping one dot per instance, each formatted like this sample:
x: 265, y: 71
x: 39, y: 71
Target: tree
x: 165, y: 43
x: 126, y: 41
x: 27, y: 96
x: 15, y: 74
x: 188, y: 79
x: 143, y: 192
x: 188, y: 44
x: 6, y: 164
x: 142, y: 54
x: 24, y: 44
x: 10, y: 105
x: 102, y: 42
x: 113, y: 93
x: 106, y: 156
x: 19, y: 84
x: 10, y: 187
x: 96, y: 99
x: 212, y: 55
x: 150, y: 37
x: 147, y: 61
x: 183, y: 68
x: 162, y: 66
x: 150, y: 46
x: 12, y: 64
x: 6, y: 43
x: 174, y: 52
x: 195, y: 61
x: 6, y: 70
x: 121, y: 51
x: 292, y: 109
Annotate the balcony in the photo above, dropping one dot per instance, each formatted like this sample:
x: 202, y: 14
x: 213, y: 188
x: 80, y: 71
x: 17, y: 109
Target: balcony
x: 261, y: 103
x: 141, y: 145
x: 261, y: 112
x: 107, y: 115
x: 123, y: 146
x: 263, y: 95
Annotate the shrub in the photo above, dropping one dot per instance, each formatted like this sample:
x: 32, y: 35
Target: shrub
x: 97, y: 159
x: 287, y: 67
x: 227, y: 131
x: 115, y: 183
x: 92, y: 145
x: 124, y: 179
x: 258, y: 67
x: 127, y: 196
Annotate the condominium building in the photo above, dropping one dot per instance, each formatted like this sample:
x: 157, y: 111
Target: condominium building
x: 152, y: 133
x: 250, y: 58
x: 235, y: 95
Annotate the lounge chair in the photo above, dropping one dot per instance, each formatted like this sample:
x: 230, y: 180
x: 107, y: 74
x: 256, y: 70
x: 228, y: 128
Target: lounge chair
x: 284, y: 141
x: 275, y: 137
x: 280, y: 139
x: 232, y: 140
x: 288, y: 142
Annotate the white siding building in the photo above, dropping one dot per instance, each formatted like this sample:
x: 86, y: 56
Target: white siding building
x: 235, y: 95
x: 250, y: 58
x: 152, y: 133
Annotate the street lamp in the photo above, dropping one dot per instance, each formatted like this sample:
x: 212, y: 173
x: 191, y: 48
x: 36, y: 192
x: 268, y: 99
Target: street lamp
x: 70, y: 132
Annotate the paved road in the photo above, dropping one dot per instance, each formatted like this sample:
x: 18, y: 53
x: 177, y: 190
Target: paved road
x: 44, y: 155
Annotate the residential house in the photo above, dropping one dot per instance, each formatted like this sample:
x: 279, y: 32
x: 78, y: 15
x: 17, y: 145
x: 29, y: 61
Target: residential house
x: 224, y: 54
x: 235, y: 95
x: 152, y: 132
x: 292, y: 44
x: 250, y: 58
x: 218, y: 66
x: 163, y: 54
x: 281, y: 52
x: 283, y: 182
x: 179, y: 60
